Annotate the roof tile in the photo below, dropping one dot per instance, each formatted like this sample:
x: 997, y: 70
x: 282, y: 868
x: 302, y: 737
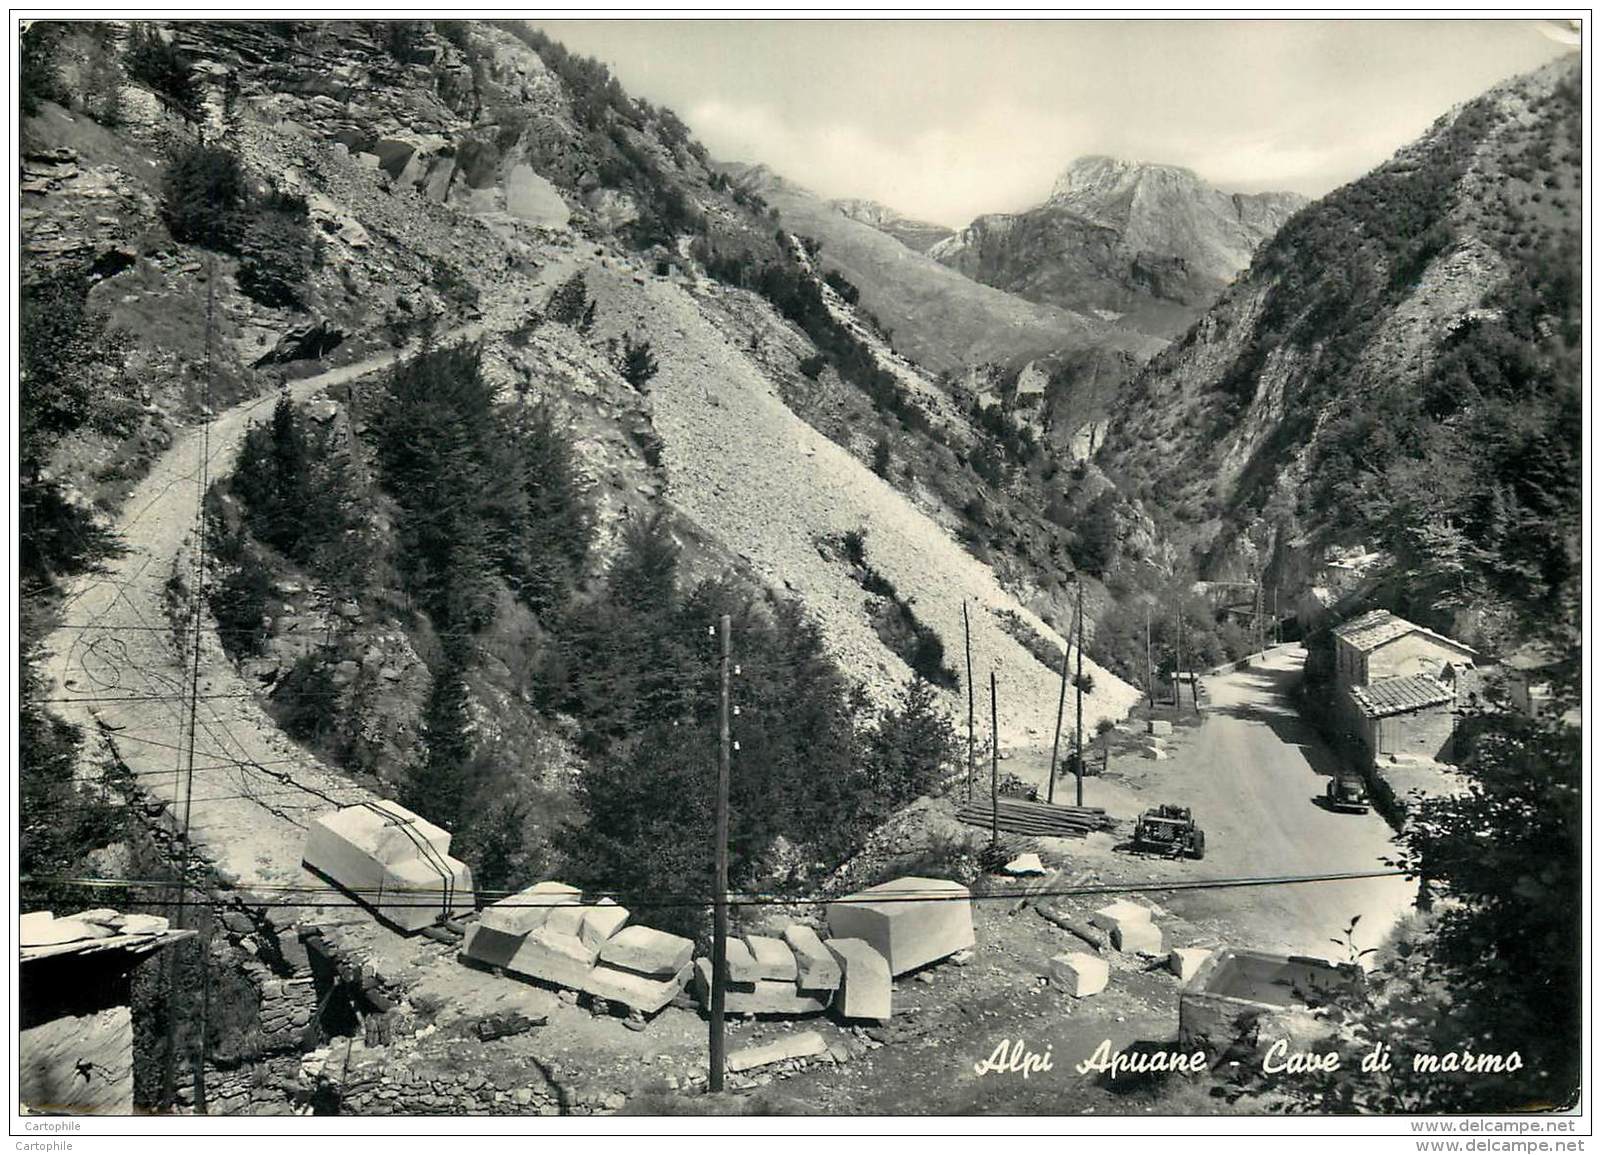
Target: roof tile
x: 1389, y: 696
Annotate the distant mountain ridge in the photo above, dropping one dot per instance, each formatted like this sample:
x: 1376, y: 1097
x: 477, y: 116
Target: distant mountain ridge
x: 919, y: 236
x: 937, y: 317
x: 1151, y: 243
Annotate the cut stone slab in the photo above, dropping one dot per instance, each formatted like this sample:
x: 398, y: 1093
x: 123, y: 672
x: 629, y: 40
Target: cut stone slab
x: 566, y: 919
x: 1025, y: 864
x: 864, y: 990
x: 1159, y: 727
x: 41, y: 928
x: 144, y: 924
x: 393, y: 861
x: 774, y: 959
x: 802, y: 1045
x: 1137, y: 938
x: 560, y: 959
x: 1120, y: 911
x: 493, y: 948
x: 1184, y: 961
x: 767, y: 997
x: 601, y: 921
x: 816, y: 967
x: 100, y: 916
x: 647, y: 952
x: 742, y: 966
x: 637, y: 992
x: 503, y: 925
x: 1080, y: 974
x: 527, y: 909
x: 907, y: 931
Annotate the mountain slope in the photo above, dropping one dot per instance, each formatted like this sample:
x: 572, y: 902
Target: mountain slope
x: 412, y: 145
x: 1398, y: 369
x: 937, y: 317
x: 919, y: 236
x: 1151, y: 243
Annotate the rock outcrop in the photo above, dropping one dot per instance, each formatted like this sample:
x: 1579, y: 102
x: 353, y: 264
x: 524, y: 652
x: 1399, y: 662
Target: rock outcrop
x: 1151, y: 244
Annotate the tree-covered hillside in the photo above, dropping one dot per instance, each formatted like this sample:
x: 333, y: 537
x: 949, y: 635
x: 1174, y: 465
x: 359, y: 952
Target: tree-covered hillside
x: 1399, y: 369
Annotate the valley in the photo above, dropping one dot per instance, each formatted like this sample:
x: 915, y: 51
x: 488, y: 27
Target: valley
x: 407, y: 409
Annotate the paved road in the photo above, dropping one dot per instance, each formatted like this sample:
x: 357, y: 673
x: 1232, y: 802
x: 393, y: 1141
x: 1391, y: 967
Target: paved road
x: 1252, y: 775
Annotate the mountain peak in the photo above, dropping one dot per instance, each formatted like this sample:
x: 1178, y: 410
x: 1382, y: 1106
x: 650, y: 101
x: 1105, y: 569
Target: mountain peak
x: 1152, y: 244
x: 1097, y: 177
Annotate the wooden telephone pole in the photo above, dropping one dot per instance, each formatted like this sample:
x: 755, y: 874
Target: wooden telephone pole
x: 1078, y: 703
x: 720, y: 883
x: 1056, y: 742
x: 995, y: 768
x: 967, y: 642
x: 1181, y: 674
x: 1150, y: 688
x: 1261, y: 637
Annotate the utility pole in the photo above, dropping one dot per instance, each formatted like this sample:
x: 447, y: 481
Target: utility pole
x: 967, y: 642
x: 720, y: 883
x: 1078, y: 703
x: 1056, y: 742
x: 1150, y: 688
x: 197, y: 1058
x: 1261, y: 638
x: 1178, y: 656
x: 995, y: 768
x: 1186, y: 675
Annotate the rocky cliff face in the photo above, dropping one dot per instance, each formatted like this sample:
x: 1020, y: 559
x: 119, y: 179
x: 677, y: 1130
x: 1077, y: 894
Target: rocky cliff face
x: 1398, y: 369
x: 1148, y: 245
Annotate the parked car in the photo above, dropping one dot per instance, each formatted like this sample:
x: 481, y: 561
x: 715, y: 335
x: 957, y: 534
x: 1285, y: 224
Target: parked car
x: 1348, y: 793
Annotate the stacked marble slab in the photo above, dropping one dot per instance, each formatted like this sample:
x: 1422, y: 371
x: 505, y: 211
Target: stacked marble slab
x: 549, y: 933
x: 875, y: 935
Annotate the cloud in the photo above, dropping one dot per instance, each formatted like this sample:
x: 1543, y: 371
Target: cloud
x: 993, y: 157
x: 949, y: 119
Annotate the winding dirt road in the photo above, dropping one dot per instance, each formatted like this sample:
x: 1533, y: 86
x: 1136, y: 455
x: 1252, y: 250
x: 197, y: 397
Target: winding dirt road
x: 115, y: 667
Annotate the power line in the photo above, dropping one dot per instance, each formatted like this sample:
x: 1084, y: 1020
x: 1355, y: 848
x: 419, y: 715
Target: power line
x: 644, y: 902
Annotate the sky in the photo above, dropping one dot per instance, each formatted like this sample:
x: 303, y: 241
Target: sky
x: 947, y: 119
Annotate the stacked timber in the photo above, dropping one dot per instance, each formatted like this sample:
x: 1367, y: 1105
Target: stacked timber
x: 1041, y: 819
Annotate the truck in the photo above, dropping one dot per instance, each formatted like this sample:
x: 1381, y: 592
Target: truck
x: 1171, y: 831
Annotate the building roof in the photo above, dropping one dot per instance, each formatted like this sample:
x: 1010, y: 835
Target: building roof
x: 1378, y: 627
x: 1390, y: 696
x: 94, y: 932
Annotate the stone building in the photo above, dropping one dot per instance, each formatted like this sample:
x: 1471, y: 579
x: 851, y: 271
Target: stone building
x: 1397, y: 686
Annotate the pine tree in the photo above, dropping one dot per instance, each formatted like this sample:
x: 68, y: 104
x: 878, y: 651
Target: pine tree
x: 439, y: 784
x: 638, y: 363
x: 165, y: 68
x: 558, y: 527
x: 441, y: 452
x: 910, y: 750
x: 570, y: 301
x: 881, y: 456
